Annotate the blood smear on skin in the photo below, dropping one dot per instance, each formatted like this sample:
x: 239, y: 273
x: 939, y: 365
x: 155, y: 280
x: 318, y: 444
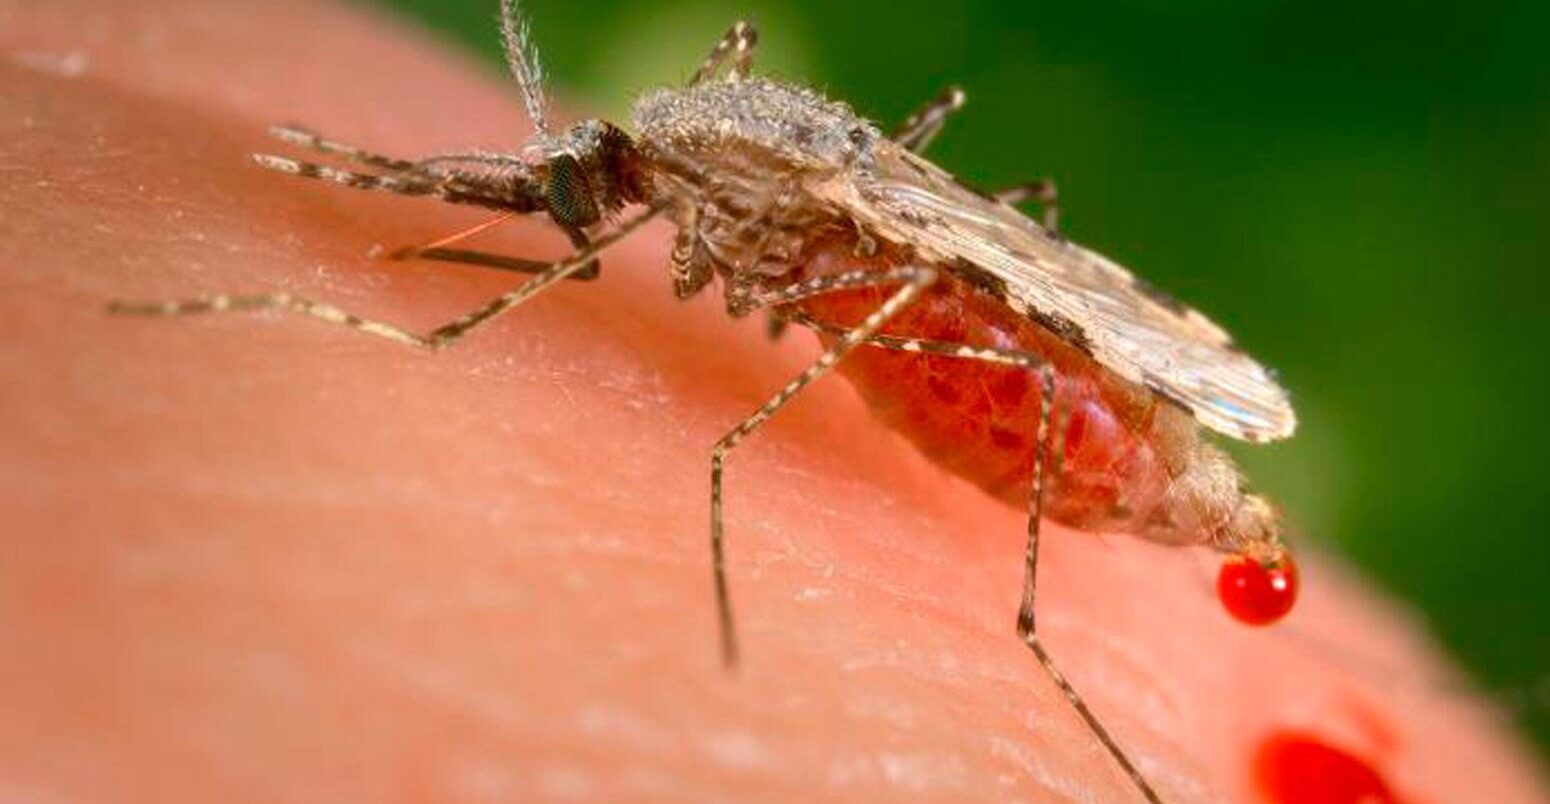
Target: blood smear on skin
x: 1294, y: 767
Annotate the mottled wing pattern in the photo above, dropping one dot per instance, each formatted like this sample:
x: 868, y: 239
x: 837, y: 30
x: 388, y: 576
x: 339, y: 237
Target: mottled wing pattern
x: 1130, y: 329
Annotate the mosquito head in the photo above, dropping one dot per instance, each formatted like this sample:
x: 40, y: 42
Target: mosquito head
x: 585, y: 173
x: 581, y: 174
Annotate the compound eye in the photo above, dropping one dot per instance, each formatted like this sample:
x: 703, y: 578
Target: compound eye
x: 567, y: 194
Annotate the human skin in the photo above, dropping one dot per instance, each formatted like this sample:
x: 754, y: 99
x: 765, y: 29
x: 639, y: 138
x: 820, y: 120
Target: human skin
x: 260, y: 558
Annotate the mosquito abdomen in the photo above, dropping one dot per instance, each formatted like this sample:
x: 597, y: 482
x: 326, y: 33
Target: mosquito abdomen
x: 1128, y: 461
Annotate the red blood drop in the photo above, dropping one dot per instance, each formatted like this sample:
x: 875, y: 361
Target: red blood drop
x: 1255, y: 592
x: 1298, y: 768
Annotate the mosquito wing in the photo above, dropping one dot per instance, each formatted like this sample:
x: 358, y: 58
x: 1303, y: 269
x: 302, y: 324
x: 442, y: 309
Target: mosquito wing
x: 1129, y: 328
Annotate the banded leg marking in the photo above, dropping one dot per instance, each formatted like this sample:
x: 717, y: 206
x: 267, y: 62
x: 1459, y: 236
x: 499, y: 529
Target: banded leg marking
x: 737, y: 44
x: 1026, y: 624
x: 920, y: 128
x: 1005, y: 357
x: 1046, y: 462
x: 438, y: 338
x: 915, y: 279
x: 745, y: 301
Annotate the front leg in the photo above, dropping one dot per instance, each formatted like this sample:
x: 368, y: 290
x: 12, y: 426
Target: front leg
x: 438, y: 338
x: 915, y: 279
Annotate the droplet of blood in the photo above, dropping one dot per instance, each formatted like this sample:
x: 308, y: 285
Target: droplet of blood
x: 1257, y: 592
x: 1298, y: 768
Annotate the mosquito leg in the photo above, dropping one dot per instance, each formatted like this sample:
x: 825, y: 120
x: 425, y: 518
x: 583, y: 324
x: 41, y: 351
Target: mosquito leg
x: 1026, y: 626
x: 738, y: 44
x: 742, y: 301
x: 867, y: 334
x: 579, y: 239
x: 1006, y: 357
x: 1043, y: 459
x: 775, y: 326
x: 921, y: 128
x: 1040, y: 190
x: 438, y: 338
x: 915, y: 280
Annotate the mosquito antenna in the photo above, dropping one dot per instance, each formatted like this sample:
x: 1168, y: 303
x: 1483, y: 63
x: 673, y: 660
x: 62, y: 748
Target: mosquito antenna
x: 522, y: 57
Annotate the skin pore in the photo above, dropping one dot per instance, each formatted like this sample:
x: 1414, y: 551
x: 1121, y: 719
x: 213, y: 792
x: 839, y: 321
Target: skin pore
x: 255, y: 557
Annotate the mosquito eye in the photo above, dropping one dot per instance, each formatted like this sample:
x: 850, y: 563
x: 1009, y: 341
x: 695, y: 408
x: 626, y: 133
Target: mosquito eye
x: 1257, y: 593
x: 569, y: 198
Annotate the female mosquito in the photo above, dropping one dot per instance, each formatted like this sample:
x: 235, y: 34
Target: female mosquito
x: 963, y: 322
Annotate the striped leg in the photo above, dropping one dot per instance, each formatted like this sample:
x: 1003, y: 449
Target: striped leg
x: 1046, y: 463
x: 1005, y: 357
x: 922, y: 127
x: 1049, y: 451
x: 438, y: 338
x: 914, y: 279
x: 737, y: 44
x: 743, y: 301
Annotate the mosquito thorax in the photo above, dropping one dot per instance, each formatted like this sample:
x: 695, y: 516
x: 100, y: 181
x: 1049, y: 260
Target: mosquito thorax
x: 729, y: 159
x: 753, y: 124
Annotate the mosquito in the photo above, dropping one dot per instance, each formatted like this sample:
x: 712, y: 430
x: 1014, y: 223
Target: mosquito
x: 962, y: 320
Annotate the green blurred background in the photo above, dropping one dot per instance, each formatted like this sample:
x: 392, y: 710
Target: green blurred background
x: 1355, y: 190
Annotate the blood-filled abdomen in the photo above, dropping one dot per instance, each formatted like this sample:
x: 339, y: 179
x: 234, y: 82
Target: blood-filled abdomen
x: 1121, y: 447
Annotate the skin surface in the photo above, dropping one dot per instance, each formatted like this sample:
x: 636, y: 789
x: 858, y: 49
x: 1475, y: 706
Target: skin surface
x: 258, y: 558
